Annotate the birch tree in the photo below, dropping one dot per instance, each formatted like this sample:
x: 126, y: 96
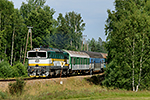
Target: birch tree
x: 128, y: 44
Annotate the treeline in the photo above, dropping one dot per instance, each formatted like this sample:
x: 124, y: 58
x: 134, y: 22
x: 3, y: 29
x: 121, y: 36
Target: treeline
x: 65, y: 32
x: 128, y: 45
x: 97, y: 46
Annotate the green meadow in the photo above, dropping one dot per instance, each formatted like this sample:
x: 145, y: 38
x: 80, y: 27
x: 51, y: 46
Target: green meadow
x: 73, y: 88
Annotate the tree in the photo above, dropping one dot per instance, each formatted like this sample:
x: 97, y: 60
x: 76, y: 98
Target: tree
x: 128, y: 43
x: 25, y: 9
x: 18, y: 34
x: 97, y: 46
x: 69, y: 28
x: 6, y: 11
x: 42, y: 23
x: 75, y: 23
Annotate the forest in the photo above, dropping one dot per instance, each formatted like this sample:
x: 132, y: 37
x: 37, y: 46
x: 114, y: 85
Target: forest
x: 65, y: 32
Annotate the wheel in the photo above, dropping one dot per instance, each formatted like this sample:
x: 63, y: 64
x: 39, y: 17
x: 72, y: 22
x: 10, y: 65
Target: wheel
x: 91, y: 72
x: 102, y: 70
x: 68, y: 73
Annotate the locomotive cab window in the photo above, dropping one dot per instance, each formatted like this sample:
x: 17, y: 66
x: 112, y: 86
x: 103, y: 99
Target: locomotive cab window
x: 36, y: 54
x: 31, y: 54
x: 42, y: 54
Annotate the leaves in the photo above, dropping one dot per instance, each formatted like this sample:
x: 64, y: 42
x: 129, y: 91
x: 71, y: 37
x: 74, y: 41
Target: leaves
x: 127, y: 42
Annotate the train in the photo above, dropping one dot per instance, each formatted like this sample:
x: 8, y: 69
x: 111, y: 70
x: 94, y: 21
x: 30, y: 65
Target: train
x: 45, y: 62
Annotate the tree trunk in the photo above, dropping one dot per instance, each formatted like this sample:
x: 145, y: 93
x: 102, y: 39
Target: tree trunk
x: 20, y: 53
x: 87, y: 47
x: 71, y: 43
x: 139, y: 74
x: 26, y: 48
x: 141, y: 62
x: 14, y: 56
x: 0, y: 21
x: 12, y: 46
x: 82, y: 46
x: 31, y: 38
x: 133, y: 66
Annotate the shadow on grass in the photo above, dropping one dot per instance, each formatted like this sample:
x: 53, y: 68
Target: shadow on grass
x: 97, y: 80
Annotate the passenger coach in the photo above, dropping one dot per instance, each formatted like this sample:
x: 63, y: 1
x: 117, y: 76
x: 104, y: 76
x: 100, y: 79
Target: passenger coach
x: 96, y: 60
x: 79, y: 62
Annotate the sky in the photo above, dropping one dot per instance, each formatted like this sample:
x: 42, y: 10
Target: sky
x: 93, y: 12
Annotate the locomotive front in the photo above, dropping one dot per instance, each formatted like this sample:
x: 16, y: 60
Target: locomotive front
x: 38, y: 63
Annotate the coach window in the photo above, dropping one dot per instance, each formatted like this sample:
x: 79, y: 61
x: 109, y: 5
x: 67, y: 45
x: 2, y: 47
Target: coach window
x: 84, y: 60
x: 91, y: 60
x: 77, y: 60
x: 72, y: 60
x: 102, y: 61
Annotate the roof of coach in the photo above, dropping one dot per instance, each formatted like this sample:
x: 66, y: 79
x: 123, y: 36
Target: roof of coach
x: 77, y: 54
x: 47, y: 49
x: 94, y: 54
x: 104, y: 55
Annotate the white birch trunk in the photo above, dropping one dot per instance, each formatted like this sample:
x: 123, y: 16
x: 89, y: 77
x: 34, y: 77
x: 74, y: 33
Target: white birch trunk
x: 141, y: 62
x: 12, y: 46
x: 133, y: 66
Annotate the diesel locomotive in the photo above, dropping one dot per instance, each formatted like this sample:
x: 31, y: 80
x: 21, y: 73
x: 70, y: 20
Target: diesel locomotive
x: 44, y: 62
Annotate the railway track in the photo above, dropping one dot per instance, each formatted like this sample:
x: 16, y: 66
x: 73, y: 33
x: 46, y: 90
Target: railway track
x: 39, y: 78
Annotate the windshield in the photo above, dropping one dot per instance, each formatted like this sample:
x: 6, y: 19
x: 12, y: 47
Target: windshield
x: 36, y: 54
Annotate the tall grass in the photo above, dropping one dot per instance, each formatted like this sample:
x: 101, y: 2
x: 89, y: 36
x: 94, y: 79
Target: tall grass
x: 16, y: 87
x: 72, y: 88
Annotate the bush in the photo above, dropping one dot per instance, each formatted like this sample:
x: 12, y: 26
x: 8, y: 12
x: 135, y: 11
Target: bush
x: 119, y: 77
x: 5, y: 70
x: 17, y: 87
x: 19, y: 70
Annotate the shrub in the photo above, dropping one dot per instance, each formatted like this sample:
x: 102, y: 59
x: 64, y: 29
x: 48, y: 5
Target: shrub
x: 5, y: 70
x: 19, y: 70
x: 17, y: 87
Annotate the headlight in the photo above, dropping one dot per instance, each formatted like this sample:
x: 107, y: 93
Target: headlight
x: 50, y: 61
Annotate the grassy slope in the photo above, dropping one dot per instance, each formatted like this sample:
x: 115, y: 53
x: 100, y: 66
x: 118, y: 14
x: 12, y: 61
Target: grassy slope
x: 72, y: 89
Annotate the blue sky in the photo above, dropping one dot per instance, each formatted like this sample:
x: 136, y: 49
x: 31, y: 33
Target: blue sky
x: 93, y: 12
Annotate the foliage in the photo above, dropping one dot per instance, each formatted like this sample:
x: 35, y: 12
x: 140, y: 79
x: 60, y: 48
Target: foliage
x: 127, y: 31
x: 67, y: 33
x: 5, y: 70
x: 17, y: 87
x: 97, y: 46
x: 19, y: 70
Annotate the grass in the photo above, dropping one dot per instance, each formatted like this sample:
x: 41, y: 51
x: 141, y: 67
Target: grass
x: 71, y: 89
